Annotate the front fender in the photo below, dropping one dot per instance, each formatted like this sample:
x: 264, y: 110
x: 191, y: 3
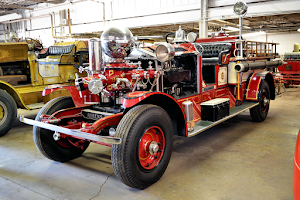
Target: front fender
x: 254, y: 83
x: 83, y: 99
x: 165, y: 101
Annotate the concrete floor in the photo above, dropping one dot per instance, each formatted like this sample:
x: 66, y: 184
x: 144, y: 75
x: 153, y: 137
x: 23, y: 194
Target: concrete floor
x: 237, y: 159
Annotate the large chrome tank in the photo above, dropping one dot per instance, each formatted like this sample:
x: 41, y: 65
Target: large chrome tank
x: 117, y: 42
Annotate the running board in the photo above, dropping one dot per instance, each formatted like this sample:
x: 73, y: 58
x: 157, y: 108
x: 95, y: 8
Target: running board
x: 202, y: 125
x: 72, y: 132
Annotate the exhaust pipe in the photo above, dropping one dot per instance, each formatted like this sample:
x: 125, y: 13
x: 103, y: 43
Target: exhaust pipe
x: 244, y: 67
x: 95, y: 55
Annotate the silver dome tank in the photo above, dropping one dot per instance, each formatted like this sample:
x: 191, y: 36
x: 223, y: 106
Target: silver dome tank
x: 117, y: 42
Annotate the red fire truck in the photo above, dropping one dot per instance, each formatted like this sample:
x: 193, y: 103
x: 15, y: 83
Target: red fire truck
x: 136, y: 99
x: 290, y: 70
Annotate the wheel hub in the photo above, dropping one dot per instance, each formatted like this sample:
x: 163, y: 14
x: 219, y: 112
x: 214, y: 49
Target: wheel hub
x: 153, y: 148
x: 265, y: 101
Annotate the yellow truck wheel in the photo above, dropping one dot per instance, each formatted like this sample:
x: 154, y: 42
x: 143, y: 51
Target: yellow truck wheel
x: 8, y: 112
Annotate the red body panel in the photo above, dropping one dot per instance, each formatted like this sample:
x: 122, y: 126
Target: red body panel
x: 253, y: 87
x: 296, y: 178
x: 79, y: 101
x: 217, y: 39
x: 290, y: 71
x: 290, y: 67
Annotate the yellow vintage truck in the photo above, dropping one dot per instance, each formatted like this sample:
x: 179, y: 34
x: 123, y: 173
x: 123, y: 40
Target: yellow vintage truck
x: 24, y: 74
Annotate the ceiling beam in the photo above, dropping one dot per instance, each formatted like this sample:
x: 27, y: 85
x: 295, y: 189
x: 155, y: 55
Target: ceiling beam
x: 14, y: 6
x: 45, y: 1
x: 8, y: 11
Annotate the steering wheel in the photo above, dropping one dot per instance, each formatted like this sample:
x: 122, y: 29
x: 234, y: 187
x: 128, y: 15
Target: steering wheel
x: 169, y: 34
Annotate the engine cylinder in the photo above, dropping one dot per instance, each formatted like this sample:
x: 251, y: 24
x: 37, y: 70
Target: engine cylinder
x: 95, y: 55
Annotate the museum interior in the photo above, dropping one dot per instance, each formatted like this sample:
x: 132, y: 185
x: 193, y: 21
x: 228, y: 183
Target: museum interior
x: 152, y: 99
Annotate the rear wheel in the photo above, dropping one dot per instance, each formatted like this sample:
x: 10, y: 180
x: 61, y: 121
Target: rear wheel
x: 61, y: 150
x: 147, y: 141
x: 259, y: 113
x: 8, y: 112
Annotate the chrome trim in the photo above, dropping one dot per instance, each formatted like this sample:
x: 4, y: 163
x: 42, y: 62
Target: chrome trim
x: 72, y: 132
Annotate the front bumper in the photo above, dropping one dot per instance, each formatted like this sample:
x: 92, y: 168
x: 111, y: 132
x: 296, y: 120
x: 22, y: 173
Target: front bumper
x: 72, y: 132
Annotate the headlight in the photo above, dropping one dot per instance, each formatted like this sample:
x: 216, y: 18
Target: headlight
x: 240, y: 8
x: 165, y: 52
x: 191, y: 37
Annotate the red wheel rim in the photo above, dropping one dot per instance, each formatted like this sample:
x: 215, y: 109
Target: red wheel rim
x: 151, y: 147
x: 264, y: 101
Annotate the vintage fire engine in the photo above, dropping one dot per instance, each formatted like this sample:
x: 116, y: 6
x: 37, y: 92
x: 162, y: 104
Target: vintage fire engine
x: 290, y: 70
x: 137, y: 98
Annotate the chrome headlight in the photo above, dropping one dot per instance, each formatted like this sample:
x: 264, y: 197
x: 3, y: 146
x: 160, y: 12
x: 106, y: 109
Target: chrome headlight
x: 165, y: 52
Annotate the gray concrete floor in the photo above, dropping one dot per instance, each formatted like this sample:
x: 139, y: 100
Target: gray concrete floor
x: 237, y: 159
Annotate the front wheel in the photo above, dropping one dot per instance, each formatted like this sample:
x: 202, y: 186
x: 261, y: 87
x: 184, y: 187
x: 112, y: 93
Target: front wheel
x: 147, y: 140
x: 259, y: 113
x: 61, y: 150
x: 8, y: 112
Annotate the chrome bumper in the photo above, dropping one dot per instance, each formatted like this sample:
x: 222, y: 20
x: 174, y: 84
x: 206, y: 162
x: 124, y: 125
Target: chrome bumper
x: 72, y: 132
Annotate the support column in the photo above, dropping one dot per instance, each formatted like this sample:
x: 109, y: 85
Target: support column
x: 203, y: 23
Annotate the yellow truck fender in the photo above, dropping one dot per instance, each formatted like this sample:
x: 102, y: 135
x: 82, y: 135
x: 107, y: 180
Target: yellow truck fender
x: 14, y: 93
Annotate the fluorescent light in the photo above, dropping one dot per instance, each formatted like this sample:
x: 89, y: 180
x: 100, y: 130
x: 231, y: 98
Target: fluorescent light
x: 246, y: 27
x: 10, y: 17
x: 231, y: 28
x: 298, y: 30
x: 254, y: 34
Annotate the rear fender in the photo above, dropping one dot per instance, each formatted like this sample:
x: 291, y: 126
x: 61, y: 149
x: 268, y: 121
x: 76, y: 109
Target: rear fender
x: 254, y: 83
x: 165, y: 101
x: 86, y: 98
